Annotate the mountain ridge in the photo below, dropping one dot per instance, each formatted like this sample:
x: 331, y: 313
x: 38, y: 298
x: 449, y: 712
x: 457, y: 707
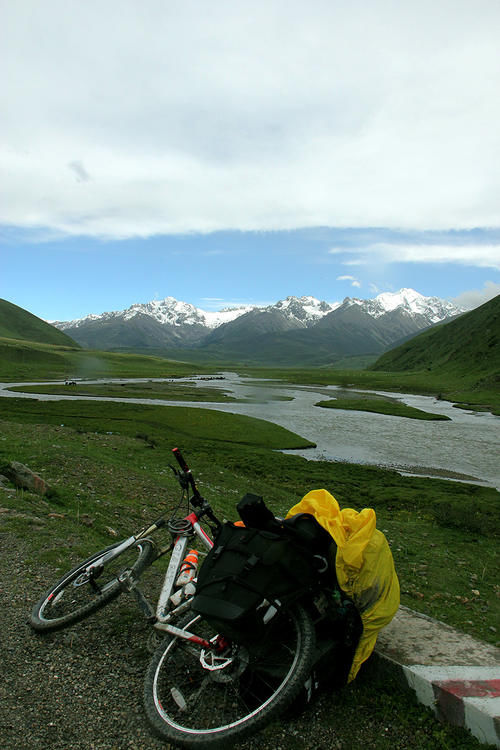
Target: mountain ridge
x: 287, y: 332
x: 471, y: 341
x: 18, y: 323
x: 305, y: 308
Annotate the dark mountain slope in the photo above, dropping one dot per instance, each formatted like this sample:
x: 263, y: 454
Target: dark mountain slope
x: 17, y: 323
x: 252, y: 324
x: 141, y: 333
x: 268, y: 337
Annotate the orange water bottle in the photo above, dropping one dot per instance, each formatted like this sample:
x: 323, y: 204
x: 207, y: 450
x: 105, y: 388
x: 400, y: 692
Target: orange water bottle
x: 188, y: 568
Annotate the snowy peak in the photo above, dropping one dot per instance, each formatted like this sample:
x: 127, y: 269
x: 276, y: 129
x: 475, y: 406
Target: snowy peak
x: 168, y: 311
x: 433, y: 309
x: 228, y: 314
x: 304, y: 312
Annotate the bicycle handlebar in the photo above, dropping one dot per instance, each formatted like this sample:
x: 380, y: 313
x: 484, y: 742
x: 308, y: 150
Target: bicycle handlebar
x: 186, y: 471
x: 186, y: 478
x: 180, y: 460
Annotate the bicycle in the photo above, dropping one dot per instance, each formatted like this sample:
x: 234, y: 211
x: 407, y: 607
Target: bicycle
x: 106, y: 574
x: 206, y: 687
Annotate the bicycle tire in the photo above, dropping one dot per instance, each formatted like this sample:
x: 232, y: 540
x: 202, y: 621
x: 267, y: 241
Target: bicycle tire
x: 192, y: 707
x: 71, y: 600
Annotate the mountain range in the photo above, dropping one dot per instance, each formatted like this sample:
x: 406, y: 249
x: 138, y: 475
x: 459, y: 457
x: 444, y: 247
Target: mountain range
x: 296, y: 330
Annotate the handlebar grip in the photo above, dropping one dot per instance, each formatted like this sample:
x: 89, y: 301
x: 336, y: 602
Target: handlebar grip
x: 180, y: 460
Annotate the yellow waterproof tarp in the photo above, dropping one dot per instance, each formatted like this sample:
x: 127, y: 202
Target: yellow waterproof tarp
x: 364, y: 565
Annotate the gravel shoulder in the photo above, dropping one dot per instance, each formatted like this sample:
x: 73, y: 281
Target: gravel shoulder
x: 81, y: 688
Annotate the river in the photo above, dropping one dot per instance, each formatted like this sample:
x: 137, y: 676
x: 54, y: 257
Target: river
x: 466, y: 448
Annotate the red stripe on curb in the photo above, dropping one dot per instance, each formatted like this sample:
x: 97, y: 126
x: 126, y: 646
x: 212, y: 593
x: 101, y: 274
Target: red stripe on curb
x: 470, y: 688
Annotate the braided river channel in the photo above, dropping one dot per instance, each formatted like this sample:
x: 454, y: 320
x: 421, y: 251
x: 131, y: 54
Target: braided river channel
x: 465, y: 448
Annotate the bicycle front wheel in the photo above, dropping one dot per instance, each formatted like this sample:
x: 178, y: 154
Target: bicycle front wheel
x: 197, y: 700
x: 89, y: 586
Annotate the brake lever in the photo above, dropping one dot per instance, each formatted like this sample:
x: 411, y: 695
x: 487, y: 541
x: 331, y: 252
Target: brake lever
x: 180, y: 476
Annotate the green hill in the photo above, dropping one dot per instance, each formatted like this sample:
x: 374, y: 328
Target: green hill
x: 27, y: 360
x: 17, y: 323
x: 466, y: 350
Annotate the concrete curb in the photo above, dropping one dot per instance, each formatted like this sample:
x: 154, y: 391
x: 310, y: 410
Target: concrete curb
x: 451, y: 672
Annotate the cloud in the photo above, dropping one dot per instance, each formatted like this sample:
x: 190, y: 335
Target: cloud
x: 296, y: 115
x: 354, y: 281
x: 79, y: 171
x: 479, y: 255
x: 476, y: 297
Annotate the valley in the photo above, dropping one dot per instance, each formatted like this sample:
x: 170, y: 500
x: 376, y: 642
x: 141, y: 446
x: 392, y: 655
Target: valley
x: 293, y: 331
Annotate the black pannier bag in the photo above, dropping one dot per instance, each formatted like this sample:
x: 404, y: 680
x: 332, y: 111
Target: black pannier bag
x: 249, y: 570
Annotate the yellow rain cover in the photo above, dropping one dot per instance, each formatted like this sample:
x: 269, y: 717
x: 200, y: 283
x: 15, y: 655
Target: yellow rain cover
x: 364, y: 564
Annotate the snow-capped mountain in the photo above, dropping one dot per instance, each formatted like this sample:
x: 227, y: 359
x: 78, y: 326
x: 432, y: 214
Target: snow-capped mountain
x: 306, y: 310
x: 291, y: 330
x: 168, y: 311
x: 432, y: 308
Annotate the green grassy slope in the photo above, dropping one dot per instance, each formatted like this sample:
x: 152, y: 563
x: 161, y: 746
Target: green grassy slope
x: 17, y: 323
x: 467, y: 348
x: 26, y: 360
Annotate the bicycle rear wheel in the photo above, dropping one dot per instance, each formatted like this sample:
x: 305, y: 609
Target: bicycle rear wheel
x: 87, y: 588
x: 195, y: 701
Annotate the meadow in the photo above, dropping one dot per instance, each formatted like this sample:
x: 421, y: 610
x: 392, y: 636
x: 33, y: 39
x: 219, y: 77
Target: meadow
x: 109, y: 462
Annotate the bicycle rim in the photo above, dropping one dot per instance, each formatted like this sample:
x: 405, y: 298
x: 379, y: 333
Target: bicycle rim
x: 85, y: 589
x: 195, y: 706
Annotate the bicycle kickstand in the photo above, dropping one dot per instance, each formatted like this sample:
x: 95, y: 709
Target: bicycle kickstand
x: 129, y: 584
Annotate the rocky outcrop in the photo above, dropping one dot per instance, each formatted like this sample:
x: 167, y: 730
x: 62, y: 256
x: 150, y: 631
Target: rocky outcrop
x: 24, y: 477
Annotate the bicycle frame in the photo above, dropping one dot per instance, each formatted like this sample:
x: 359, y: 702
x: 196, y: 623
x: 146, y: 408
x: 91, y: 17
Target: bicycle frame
x: 163, y: 615
x: 189, y: 526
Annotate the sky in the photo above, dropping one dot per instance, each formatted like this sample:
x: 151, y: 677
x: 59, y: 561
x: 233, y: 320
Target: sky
x: 234, y: 152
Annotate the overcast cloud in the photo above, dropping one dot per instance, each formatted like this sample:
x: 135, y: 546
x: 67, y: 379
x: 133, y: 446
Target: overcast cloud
x: 130, y: 118
x: 482, y: 256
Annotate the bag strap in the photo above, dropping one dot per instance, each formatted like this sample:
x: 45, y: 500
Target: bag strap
x: 253, y: 589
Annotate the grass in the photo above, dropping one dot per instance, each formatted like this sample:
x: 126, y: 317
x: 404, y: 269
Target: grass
x: 161, y: 423
x: 170, y: 391
x: 110, y: 462
x: 24, y: 360
x: 380, y: 405
x: 15, y: 322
